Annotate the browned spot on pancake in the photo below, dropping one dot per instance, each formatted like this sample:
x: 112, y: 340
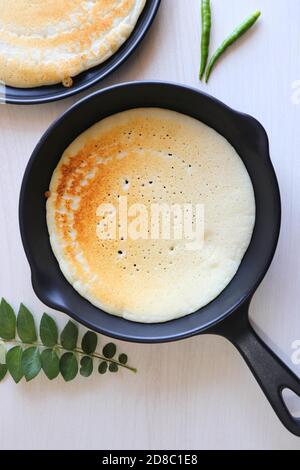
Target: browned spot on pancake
x: 145, y: 155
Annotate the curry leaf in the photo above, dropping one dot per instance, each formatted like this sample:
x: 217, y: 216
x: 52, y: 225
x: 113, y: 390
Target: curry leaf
x: 50, y: 363
x: 109, y: 350
x: 69, y: 336
x: 113, y: 367
x: 102, y: 369
x: 86, y: 368
x: 31, y: 363
x: 14, y: 363
x: 89, y: 342
x: 48, y: 331
x: 68, y: 366
x: 7, y: 321
x: 26, y: 326
x: 123, y: 359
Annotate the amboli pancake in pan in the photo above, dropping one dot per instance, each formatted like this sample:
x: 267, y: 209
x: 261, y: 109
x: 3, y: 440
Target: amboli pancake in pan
x: 44, y: 42
x: 149, y: 156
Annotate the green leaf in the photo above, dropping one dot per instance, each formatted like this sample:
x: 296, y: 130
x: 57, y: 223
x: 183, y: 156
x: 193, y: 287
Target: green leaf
x: 31, y: 363
x: 113, y: 367
x: 123, y: 359
x: 102, y: 369
x: 2, y: 354
x: 14, y: 363
x: 3, y: 370
x: 68, y: 366
x: 69, y: 336
x: 48, y: 331
x: 89, y: 342
x: 50, y: 363
x: 86, y: 368
x: 26, y: 326
x: 7, y: 321
x: 109, y: 350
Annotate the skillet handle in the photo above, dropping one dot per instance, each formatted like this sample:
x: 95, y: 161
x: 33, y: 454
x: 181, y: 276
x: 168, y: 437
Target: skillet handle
x: 270, y: 372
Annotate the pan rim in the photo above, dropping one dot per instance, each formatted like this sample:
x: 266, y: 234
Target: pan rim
x: 133, y: 337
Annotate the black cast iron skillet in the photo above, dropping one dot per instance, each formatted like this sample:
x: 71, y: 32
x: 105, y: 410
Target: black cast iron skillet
x: 90, y: 77
x: 228, y: 314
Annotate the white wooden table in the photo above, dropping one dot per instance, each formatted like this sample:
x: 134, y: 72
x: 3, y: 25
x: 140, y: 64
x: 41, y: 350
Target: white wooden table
x: 196, y: 394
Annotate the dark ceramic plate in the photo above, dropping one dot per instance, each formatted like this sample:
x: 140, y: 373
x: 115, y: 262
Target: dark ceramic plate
x: 228, y: 314
x: 89, y: 78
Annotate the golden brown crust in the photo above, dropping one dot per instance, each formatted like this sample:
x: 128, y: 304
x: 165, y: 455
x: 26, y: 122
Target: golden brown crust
x: 43, y: 42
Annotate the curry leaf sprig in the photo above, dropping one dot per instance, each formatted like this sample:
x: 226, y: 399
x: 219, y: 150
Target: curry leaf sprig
x: 51, y: 353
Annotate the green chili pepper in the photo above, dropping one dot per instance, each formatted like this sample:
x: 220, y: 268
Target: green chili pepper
x: 237, y: 33
x: 205, y: 39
